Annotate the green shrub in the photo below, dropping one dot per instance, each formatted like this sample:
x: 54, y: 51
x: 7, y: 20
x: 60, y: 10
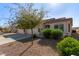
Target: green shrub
x: 56, y: 34
x: 47, y: 33
x: 52, y: 33
x: 68, y: 46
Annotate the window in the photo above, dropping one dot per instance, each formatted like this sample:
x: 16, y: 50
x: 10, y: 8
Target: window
x: 60, y: 26
x: 68, y: 27
x: 56, y: 26
x: 47, y: 26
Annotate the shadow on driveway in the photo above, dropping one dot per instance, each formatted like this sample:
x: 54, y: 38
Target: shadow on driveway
x: 47, y: 42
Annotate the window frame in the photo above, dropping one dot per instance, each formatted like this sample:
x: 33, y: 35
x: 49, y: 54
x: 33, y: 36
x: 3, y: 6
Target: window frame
x: 47, y: 26
x: 59, y: 26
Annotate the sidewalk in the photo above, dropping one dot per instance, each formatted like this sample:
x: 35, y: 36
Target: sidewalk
x: 4, y: 40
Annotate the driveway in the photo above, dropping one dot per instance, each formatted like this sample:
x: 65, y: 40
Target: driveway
x: 11, y: 37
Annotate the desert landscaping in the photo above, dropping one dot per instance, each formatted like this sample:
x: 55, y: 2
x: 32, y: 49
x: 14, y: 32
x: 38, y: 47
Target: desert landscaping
x: 28, y: 29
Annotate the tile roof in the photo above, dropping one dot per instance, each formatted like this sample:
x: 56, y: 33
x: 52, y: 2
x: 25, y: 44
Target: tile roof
x: 53, y: 20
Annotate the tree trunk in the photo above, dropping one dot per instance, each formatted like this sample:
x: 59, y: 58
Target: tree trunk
x: 32, y: 35
x: 24, y: 31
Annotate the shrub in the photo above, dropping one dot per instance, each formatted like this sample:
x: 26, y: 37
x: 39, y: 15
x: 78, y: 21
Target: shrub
x: 56, y: 34
x: 47, y: 33
x: 68, y: 46
x: 52, y: 33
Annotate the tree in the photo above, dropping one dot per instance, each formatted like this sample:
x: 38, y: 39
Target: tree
x: 29, y: 18
x: 25, y: 16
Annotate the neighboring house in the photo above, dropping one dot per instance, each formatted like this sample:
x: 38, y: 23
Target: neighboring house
x: 65, y: 24
x: 76, y: 29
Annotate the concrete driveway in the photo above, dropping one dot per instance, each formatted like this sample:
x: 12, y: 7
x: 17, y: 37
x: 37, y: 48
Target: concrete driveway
x: 11, y: 37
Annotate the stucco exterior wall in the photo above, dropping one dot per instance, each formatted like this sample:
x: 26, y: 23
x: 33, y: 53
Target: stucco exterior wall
x: 20, y: 31
x: 65, y: 26
x: 41, y: 26
x: 35, y: 31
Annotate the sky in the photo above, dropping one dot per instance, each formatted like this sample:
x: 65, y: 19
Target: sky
x: 55, y: 10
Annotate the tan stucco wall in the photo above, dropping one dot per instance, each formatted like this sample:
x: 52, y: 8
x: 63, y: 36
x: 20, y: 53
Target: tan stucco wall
x: 35, y: 30
x: 65, y: 26
x: 20, y: 31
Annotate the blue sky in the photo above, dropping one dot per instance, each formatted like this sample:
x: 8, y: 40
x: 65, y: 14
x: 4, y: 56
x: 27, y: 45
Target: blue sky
x: 55, y: 11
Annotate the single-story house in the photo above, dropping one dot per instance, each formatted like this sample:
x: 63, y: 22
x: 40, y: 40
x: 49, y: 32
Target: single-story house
x: 76, y: 29
x: 64, y: 24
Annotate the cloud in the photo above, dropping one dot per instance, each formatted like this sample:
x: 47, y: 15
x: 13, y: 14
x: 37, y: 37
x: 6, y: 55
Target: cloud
x: 54, y: 4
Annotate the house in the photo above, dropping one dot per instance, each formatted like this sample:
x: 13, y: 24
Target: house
x: 76, y: 29
x: 65, y: 24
